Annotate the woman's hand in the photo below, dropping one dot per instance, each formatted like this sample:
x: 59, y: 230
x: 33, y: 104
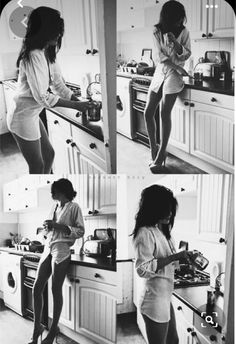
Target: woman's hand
x: 82, y: 106
x: 50, y: 224
x: 171, y: 37
x: 189, y: 256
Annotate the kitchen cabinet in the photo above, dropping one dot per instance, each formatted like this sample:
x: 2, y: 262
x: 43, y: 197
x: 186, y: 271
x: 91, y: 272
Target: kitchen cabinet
x: 89, y: 306
x: 184, y: 321
x: 59, y: 132
x: 130, y: 14
x: 180, y: 123
x: 81, y: 37
x: 10, y: 199
x: 215, y: 193
x: 9, y: 94
x: 212, y: 128
x: 3, y: 112
x: 203, y: 127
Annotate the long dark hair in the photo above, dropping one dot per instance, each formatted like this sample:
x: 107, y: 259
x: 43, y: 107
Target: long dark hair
x: 171, y: 13
x: 156, y: 203
x: 44, y: 24
x: 65, y: 187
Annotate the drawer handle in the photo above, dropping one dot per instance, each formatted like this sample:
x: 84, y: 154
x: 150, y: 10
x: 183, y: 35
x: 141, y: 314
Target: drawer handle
x: 193, y: 334
x: 186, y: 103
x: 189, y: 329
x: 48, y: 181
x: 88, y: 51
x: 97, y: 275
x: 94, y: 51
x: 179, y: 308
x: 106, y: 144
x: 93, y: 145
x: 210, y: 35
x: 77, y: 280
x: 78, y: 114
x: 203, y: 35
x: 222, y: 240
x: 213, y: 100
x: 95, y: 212
x: 192, y: 104
x: 68, y: 141
x: 73, y: 144
x: 71, y: 279
x: 56, y: 122
x: 90, y: 212
x: 213, y: 338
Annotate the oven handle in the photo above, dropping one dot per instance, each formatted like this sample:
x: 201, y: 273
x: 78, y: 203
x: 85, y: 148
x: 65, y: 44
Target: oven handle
x: 31, y: 266
x: 140, y: 88
x: 29, y: 285
x: 138, y: 108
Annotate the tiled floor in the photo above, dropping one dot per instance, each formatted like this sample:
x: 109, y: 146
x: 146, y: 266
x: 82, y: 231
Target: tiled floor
x: 15, y: 329
x: 127, y: 330
x: 133, y: 158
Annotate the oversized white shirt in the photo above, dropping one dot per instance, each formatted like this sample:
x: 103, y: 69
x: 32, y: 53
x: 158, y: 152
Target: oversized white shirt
x: 32, y: 95
x: 173, y: 81
x: 157, y: 285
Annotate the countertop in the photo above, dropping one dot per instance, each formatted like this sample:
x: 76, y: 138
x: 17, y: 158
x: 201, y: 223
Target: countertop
x: 103, y: 263
x: 196, y: 299
x: 207, y: 85
x: 95, y: 129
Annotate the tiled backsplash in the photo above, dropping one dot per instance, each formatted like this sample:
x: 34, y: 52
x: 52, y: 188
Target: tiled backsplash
x: 131, y: 43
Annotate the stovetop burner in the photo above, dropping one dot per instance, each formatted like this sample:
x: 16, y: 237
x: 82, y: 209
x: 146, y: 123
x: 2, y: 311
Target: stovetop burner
x: 191, y: 279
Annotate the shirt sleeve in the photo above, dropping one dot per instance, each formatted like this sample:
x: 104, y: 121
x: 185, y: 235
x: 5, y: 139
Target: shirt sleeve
x: 58, y: 85
x: 37, y: 74
x: 161, y: 56
x: 186, y: 46
x: 77, y: 228
x: 146, y: 263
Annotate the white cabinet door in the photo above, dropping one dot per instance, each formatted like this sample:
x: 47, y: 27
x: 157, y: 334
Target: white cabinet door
x: 180, y: 125
x: 212, y: 135
x: 213, y: 206
x: 77, y: 36
x: 105, y: 194
x: 3, y: 112
x: 221, y: 19
x: 67, y: 317
x: 184, y: 321
x: 10, y: 200
x: 59, y: 131
x: 96, y: 310
x: 130, y: 14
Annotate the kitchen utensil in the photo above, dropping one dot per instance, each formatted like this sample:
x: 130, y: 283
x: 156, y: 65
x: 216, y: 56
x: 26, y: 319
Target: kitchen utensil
x: 200, y: 262
x: 94, y: 113
x: 102, y: 244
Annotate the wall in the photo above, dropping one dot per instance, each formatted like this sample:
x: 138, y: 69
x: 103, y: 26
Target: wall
x: 130, y: 45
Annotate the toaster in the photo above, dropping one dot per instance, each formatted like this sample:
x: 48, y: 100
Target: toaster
x: 101, y: 244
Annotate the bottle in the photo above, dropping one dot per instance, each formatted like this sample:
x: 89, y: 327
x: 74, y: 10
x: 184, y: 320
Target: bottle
x: 200, y: 261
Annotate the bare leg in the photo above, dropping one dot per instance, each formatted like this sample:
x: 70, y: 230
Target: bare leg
x: 156, y: 332
x: 31, y: 151
x: 43, y: 274
x: 172, y: 335
x: 46, y: 148
x: 149, y: 115
x: 58, y: 276
x: 168, y: 102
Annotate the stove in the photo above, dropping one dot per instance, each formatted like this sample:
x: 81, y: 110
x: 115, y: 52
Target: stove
x: 196, y: 278
x: 75, y: 88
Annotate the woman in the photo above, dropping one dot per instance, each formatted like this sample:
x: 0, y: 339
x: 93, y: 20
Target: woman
x: 38, y: 70
x: 155, y: 262
x: 172, y: 42
x: 64, y: 226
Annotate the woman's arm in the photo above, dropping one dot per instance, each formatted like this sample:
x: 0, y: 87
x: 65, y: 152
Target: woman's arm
x: 162, y: 262
x: 74, y: 104
x: 183, y: 49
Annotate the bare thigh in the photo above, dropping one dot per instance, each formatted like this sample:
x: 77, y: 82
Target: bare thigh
x: 32, y: 153
x: 46, y: 147
x: 172, y: 336
x: 153, y: 100
x: 43, y: 273
x: 156, y: 332
x: 168, y: 101
x: 59, y: 273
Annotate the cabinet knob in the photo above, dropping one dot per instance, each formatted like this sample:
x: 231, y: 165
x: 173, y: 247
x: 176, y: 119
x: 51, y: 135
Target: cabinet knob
x: 77, y: 280
x: 9, y: 194
x: 26, y: 189
x: 131, y: 7
x: 193, y: 334
x: 88, y: 51
x: 73, y: 144
x: 68, y: 141
x: 223, y: 338
x: 94, y: 51
x: 92, y: 145
x: 97, y: 275
x: 213, y: 100
x: 48, y: 181
x: 203, y: 35
x: 95, y: 212
x: 132, y: 26
x: 210, y: 34
x: 106, y: 144
x: 186, y: 103
x: 78, y: 114
x: 26, y: 206
x: 192, y: 104
x: 189, y: 329
x: 56, y: 122
x: 222, y: 240
x: 9, y: 209
x: 213, y: 338
x: 71, y: 279
x: 179, y: 308
x: 90, y: 212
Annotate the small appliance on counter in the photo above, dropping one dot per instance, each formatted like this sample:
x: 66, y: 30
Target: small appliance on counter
x: 146, y: 65
x: 94, y: 95
x: 101, y: 244
x: 215, y: 65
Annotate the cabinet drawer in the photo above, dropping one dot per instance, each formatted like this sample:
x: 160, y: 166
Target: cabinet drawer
x: 211, y: 98
x: 88, y: 142
x: 98, y: 275
x: 181, y: 308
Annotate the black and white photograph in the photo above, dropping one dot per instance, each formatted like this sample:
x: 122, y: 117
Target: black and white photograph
x: 57, y: 71
x: 175, y: 86
x: 117, y: 155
